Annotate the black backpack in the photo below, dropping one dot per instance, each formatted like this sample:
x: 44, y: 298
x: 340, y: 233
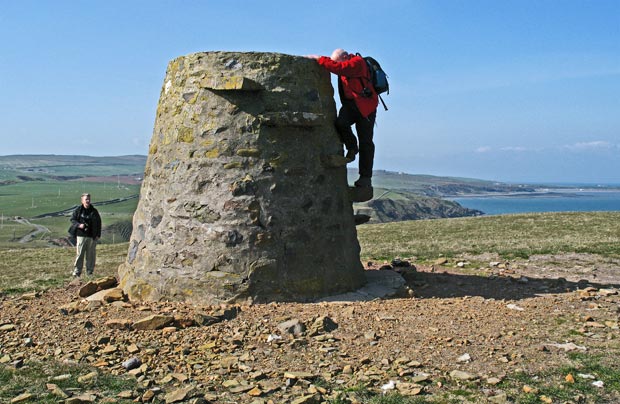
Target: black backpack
x: 378, y: 77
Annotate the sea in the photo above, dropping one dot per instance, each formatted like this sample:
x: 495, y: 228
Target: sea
x: 557, y: 200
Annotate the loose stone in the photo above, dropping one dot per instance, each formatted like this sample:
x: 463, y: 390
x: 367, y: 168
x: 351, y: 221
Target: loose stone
x: 153, y: 322
x: 87, y: 378
x: 131, y: 363
x: 7, y: 327
x: 22, y: 398
x: 460, y: 375
x: 179, y: 395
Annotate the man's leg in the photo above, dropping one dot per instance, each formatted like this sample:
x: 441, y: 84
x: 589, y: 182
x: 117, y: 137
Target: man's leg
x: 79, y: 257
x: 365, y: 130
x: 347, y: 116
x: 91, y: 256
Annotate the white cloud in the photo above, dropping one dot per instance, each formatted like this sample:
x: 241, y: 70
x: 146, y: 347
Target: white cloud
x: 489, y: 149
x: 514, y: 149
x: 593, y: 146
x: 590, y: 146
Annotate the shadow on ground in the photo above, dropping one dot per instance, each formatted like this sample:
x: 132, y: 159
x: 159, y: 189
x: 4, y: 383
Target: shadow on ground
x: 444, y: 284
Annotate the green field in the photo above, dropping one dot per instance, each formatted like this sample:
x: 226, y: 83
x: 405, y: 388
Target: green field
x: 29, y: 199
x: 49, y: 167
x: 35, y: 198
x: 38, y: 187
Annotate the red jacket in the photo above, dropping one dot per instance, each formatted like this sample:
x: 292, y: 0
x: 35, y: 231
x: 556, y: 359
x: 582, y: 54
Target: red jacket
x: 354, y: 76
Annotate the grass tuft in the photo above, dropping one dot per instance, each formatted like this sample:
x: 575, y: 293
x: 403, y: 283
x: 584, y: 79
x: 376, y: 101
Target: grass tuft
x: 34, y: 377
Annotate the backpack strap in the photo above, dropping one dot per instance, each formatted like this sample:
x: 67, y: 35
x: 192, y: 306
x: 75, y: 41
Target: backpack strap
x: 369, y: 76
x: 369, y: 79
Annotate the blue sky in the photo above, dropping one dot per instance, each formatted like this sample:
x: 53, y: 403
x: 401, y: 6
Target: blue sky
x: 519, y: 91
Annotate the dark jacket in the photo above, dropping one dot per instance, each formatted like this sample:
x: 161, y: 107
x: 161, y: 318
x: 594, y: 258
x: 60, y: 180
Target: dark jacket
x: 90, y: 217
x: 353, y: 77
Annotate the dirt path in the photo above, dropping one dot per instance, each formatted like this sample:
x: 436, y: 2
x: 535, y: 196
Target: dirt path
x: 38, y: 229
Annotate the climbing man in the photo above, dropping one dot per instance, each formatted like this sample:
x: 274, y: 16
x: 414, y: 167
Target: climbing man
x: 359, y: 106
x: 87, y: 224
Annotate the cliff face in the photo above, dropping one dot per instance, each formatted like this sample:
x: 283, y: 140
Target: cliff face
x: 415, y: 208
x: 245, y: 192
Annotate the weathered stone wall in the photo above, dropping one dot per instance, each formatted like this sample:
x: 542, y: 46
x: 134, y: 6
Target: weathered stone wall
x: 245, y: 192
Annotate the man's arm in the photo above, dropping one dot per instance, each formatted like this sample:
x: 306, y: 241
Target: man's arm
x: 353, y: 67
x: 97, y: 218
x: 75, y: 216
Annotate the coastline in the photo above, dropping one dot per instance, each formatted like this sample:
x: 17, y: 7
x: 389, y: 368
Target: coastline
x: 544, y: 200
x: 541, y: 192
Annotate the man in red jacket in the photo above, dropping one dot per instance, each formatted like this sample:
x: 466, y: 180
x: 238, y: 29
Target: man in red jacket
x: 359, y: 106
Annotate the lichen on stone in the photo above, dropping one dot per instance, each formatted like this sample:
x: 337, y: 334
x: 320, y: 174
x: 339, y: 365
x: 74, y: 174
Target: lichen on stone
x: 213, y: 153
x: 232, y: 165
x: 248, y: 152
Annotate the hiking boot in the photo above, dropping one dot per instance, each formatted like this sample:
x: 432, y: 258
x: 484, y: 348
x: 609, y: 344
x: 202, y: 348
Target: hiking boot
x: 363, y: 182
x: 76, y: 273
x: 350, y: 156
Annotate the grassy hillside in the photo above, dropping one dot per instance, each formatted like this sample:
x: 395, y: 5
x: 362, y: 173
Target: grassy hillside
x: 35, y: 186
x: 44, y: 189
x: 21, y: 168
x: 509, y: 236
x: 41, y: 268
x: 430, y: 185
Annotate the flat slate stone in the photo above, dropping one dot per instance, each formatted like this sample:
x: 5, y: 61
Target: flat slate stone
x: 379, y: 284
x: 230, y: 83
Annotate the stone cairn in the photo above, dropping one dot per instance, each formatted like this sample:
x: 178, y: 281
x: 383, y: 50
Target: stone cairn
x: 245, y: 193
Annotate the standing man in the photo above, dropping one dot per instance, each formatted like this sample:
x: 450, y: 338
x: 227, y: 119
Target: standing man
x: 87, y: 223
x: 359, y: 106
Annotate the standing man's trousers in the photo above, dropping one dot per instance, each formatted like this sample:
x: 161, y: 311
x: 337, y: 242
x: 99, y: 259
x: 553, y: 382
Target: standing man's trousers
x: 85, y: 251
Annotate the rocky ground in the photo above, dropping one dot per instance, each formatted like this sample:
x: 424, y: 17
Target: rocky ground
x: 457, y: 323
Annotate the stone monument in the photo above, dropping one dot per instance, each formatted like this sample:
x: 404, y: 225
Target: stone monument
x: 245, y: 192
